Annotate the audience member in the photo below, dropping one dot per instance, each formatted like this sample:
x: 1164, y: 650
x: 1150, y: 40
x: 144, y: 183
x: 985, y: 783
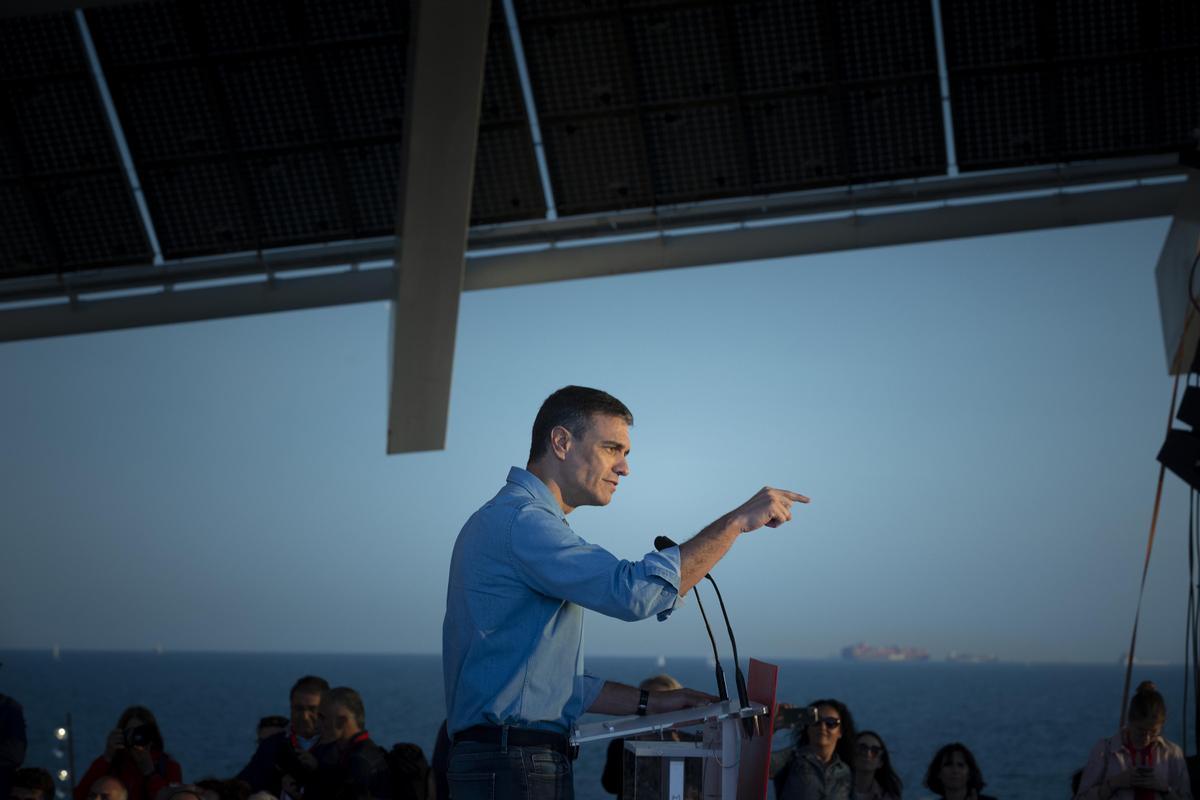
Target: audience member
x: 12, y: 740
x: 279, y: 754
x: 613, y: 777
x: 350, y: 765
x: 818, y: 767
x: 134, y: 753
x: 412, y: 777
x: 1137, y: 762
x: 874, y: 778
x: 953, y: 774
x: 106, y: 787
x: 32, y: 783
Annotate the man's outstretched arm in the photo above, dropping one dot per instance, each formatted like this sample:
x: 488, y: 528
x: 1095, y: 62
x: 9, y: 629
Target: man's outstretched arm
x: 698, y: 555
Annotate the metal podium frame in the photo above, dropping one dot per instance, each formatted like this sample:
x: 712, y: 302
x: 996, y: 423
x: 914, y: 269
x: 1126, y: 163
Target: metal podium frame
x: 721, y: 745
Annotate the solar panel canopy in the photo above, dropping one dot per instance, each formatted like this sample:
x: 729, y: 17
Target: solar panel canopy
x: 264, y: 124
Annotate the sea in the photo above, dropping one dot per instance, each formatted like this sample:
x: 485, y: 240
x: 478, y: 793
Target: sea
x: 1029, y: 725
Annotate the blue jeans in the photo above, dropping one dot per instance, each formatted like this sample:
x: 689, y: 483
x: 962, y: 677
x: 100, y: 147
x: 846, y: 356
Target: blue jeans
x: 479, y: 771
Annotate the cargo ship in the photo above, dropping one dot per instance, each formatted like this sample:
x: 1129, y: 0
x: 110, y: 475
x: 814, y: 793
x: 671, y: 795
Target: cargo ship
x: 866, y: 652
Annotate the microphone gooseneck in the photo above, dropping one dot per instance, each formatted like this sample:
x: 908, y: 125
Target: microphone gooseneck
x: 738, y: 676
x: 722, y: 688
x: 662, y: 543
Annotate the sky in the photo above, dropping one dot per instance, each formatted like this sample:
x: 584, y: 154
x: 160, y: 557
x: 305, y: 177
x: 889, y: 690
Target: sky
x: 976, y: 422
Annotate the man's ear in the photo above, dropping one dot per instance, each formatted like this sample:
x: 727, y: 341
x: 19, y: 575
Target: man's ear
x: 560, y: 441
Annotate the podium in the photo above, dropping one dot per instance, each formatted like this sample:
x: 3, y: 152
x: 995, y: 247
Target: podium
x: 734, y: 764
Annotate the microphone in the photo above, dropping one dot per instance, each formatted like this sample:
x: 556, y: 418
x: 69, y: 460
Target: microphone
x: 751, y: 725
x: 662, y: 543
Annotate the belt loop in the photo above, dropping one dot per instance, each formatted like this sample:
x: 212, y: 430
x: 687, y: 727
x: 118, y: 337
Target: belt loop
x: 504, y: 739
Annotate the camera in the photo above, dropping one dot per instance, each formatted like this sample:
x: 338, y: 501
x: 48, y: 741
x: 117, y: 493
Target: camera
x: 138, y: 737
x: 795, y: 717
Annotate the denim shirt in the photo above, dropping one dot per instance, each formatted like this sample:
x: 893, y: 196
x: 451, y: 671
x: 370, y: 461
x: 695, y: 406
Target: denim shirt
x: 520, y: 578
x: 808, y: 778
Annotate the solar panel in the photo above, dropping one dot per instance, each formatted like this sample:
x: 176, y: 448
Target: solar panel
x: 284, y: 114
x: 1038, y: 82
x: 597, y: 162
x: 25, y: 246
x: 200, y: 207
x: 646, y: 103
x: 374, y: 172
x: 508, y: 185
x: 56, y: 156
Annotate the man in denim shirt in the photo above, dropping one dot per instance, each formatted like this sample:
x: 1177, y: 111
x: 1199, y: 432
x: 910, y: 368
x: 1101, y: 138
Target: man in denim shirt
x: 520, y: 578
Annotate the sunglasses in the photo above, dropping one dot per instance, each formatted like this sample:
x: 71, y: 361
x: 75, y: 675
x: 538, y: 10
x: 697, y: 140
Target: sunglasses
x: 830, y: 723
x: 872, y: 750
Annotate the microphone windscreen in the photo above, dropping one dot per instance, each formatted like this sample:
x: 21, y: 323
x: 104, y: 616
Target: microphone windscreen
x: 662, y: 542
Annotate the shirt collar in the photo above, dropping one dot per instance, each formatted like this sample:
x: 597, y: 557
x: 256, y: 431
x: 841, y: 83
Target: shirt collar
x: 306, y: 744
x: 540, y: 492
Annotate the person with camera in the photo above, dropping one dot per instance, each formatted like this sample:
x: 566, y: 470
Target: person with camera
x: 134, y: 754
x: 818, y: 765
x: 289, y: 752
x: 1137, y: 763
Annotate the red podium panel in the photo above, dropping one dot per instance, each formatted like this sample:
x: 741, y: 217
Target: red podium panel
x: 753, y: 776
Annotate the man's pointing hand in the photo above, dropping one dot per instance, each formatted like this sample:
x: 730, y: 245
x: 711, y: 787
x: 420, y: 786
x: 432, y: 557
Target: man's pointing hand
x: 770, y: 507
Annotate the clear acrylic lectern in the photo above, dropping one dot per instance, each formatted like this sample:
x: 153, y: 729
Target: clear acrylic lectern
x: 720, y: 749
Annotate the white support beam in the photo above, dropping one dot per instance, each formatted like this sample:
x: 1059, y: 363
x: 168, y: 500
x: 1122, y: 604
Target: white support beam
x: 447, y: 51
x: 851, y: 231
x: 96, y: 314
x: 1173, y: 274
x: 552, y: 263
x: 1134, y: 173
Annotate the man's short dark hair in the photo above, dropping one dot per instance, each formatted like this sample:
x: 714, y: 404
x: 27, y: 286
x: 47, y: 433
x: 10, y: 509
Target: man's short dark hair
x: 309, y: 683
x: 350, y: 700
x: 573, y: 407
x: 36, y: 779
x: 273, y: 721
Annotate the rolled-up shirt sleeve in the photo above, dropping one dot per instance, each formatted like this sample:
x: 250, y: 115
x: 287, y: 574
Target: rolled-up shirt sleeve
x: 589, y: 690
x: 558, y: 563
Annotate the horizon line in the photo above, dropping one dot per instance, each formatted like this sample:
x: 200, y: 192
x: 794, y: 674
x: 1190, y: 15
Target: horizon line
x: 160, y: 651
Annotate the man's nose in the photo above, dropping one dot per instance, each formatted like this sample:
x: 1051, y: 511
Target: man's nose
x: 622, y: 467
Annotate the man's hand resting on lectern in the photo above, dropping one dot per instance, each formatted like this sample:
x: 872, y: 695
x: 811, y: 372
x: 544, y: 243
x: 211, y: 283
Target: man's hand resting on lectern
x: 621, y: 700
x: 676, y: 699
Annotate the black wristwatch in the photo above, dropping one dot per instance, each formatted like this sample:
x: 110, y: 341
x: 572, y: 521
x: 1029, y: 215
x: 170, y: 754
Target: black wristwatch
x: 643, y: 702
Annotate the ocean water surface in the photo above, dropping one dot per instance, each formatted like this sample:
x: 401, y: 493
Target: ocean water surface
x: 1030, y: 726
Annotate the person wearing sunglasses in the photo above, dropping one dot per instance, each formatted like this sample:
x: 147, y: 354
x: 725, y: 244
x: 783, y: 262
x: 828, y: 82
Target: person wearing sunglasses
x: 1138, y: 763
x: 874, y: 778
x: 819, y: 767
x: 954, y: 774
